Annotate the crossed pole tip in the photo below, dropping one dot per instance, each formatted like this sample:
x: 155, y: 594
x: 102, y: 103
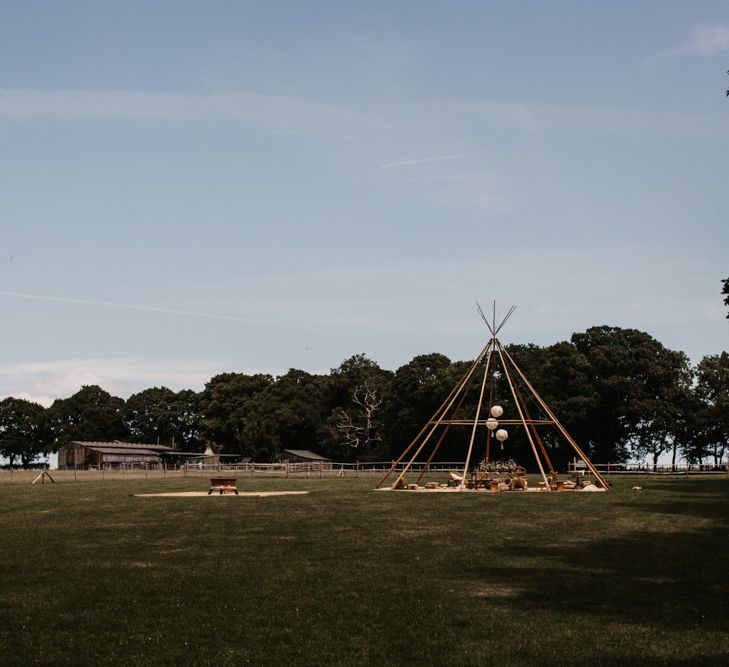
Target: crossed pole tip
x: 493, y: 326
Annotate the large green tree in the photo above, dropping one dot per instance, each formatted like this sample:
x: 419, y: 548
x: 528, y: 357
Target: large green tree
x: 231, y: 421
x: 641, y: 386
x: 358, y: 393
x: 188, y: 422
x: 561, y: 375
x: 23, y: 430
x: 712, y: 390
x: 418, y: 389
x: 290, y: 412
x: 260, y: 416
x: 90, y: 414
x: 160, y: 414
x: 670, y: 413
x: 149, y: 415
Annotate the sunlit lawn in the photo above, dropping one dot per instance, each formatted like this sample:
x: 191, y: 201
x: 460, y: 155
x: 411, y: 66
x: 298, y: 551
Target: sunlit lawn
x: 346, y: 575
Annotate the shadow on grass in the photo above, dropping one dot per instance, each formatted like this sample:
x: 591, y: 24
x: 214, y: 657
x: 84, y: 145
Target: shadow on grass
x: 707, y: 499
x: 665, y: 580
x: 712, y: 656
x: 704, y: 509
x: 696, y: 487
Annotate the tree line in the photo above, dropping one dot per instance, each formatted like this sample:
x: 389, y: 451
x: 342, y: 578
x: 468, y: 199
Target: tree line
x: 621, y: 394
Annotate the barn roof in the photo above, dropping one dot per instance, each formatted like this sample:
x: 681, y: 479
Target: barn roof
x: 117, y: 445
x: 125, y: 451
x: 306, y: 454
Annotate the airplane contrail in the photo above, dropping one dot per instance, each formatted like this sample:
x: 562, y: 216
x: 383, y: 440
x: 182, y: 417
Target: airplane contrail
x: 410, y: 163
x: 158, y: 309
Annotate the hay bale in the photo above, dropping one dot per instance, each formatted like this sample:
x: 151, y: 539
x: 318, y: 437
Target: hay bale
x: 590, y: 487
x: 520, y: 483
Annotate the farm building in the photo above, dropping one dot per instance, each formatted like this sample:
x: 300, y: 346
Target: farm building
x: 302, y: 456
x: 208, y: 458
x: 85, y: 453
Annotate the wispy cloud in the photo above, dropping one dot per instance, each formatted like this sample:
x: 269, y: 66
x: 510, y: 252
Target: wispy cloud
x: 273, y: 112
x: 410, y: 163
x: 45, y: 381
x: 704, y: 42
x: 158, y: 309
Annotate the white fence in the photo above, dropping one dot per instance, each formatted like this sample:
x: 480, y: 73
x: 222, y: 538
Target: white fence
x: 325, y: 469
x: 140, y: 471
x: 645, y: 469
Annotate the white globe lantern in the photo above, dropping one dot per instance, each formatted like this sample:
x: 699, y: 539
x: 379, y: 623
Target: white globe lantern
x: 502, y: 435
x: 497, y: 411
x: 491, y: 424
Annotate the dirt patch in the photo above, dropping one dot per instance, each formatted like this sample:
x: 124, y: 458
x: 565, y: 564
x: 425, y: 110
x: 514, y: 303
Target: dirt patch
x: 496, y: 591
x: 204, y: 494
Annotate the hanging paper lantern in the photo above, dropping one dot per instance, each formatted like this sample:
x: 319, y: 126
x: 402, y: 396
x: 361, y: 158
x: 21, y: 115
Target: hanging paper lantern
x: 502, y: 435
x: 491, y: 424
x: 497, y: 411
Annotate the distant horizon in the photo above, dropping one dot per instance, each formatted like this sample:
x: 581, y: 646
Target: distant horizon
x: 82, y: 371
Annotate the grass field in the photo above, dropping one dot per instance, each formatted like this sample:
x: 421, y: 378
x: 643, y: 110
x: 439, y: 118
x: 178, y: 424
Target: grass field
x: 349, y: 576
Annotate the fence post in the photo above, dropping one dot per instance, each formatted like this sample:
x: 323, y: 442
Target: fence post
x: 356, y: 474
x: 75, y: 473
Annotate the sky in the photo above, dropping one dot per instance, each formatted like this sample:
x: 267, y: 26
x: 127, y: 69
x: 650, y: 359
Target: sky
x: 193, y: 188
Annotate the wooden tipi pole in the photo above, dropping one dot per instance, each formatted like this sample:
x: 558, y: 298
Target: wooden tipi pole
x: 521, y: 415
x: 439, y: 414
x: 475, y: 421
x: 533, y: 428
x: 440, y: 439
x: 488, y: 430
x: 464, y: 384
x: 561, y: 428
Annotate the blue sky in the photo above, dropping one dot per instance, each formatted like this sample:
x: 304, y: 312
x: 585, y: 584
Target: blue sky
x: 190, y: 188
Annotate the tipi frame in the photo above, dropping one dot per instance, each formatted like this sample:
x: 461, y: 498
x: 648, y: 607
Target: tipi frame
x: 426, y: 444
